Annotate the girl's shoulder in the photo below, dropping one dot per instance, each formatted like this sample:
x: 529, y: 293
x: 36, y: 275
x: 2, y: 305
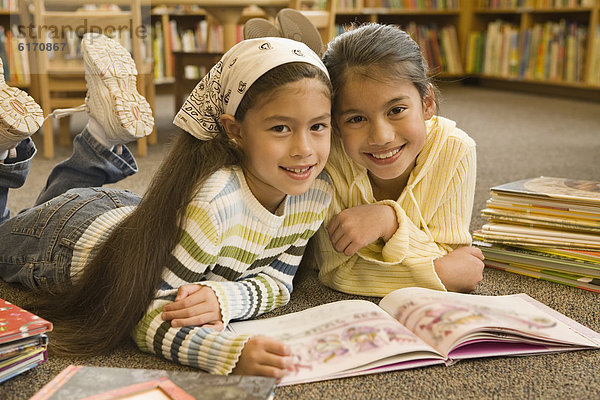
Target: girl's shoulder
x: 224, y: 181
x: 444, y: 130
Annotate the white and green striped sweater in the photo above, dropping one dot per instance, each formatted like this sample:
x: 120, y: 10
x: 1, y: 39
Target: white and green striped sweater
x: 231, y: 243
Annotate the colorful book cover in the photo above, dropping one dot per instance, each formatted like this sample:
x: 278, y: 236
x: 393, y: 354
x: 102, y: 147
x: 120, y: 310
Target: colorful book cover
x: 577, y: 191
x: 86, y: 382
x: 17, y: 323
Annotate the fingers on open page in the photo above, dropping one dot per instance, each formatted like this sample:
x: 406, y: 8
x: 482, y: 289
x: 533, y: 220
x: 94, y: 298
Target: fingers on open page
x: 273, y: 358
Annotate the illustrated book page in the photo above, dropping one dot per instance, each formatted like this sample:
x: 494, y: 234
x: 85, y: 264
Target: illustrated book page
x: 343, y: 338
x: 416, y: 327
x: 470, y: 326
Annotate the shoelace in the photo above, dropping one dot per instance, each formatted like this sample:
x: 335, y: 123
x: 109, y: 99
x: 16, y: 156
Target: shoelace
x: 63, y: 112
x: 56, y: 114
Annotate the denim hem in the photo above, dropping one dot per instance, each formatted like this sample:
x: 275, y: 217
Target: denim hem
x: 13, y: 171
x: 124, y: 162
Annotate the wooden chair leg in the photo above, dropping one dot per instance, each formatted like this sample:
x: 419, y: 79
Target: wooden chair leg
x: 151, y: 97
x: 48, y: 139
x: 64, y: 131
x: 142, y: 146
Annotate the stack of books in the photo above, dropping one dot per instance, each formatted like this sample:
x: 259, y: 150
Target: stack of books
x: 23, y: 342
x: 546, y: 228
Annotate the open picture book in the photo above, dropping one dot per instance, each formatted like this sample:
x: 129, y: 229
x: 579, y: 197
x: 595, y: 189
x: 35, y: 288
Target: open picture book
x: 416, y: 327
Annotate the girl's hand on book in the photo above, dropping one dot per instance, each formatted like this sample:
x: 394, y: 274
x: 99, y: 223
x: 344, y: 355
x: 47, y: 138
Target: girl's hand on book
x: 195, y: 305
x: 358, y: 226
x: 264, y: 356
x: 460, y: 270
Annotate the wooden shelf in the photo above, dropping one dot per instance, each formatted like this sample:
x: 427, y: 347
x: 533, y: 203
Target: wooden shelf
x: 560, y: 10
x: 467, y: 18
x: 578, y: 85
x: 401, y: 11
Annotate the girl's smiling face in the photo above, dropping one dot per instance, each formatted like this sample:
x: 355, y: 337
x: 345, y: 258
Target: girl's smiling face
x: 285, y: 139
x: 382, y: 126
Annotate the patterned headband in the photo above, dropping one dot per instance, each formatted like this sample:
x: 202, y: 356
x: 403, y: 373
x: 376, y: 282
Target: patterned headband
x: 222, y: 89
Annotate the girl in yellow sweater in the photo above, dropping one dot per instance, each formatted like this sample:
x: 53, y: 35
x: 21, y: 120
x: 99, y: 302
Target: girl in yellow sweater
x: 404, y: 178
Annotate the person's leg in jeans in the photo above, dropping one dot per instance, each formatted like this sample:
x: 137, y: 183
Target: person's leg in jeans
x: 13, y: 172
x: 20, y: 117
x: 90, y: 165
x: 118, y: 114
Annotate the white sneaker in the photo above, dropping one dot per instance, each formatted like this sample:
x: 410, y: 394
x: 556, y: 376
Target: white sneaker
x: 112, y: 98
x: 20, y: 115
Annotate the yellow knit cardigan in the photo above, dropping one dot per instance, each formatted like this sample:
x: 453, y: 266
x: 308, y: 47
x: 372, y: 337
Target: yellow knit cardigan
x: 433, y: 211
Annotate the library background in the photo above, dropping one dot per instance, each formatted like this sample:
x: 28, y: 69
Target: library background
x: 541, y: 46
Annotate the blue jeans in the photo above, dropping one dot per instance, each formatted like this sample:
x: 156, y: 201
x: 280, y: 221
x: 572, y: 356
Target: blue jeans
x: 36, y: 245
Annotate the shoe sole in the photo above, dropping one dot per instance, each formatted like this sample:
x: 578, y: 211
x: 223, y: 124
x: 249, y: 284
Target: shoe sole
x: 256, y: 28
x: 114, y: 65
x: 20, y: 116
x: 294, y: 25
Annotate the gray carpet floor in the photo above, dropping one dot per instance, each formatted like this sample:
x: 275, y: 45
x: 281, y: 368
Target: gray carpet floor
x: 518, y: 136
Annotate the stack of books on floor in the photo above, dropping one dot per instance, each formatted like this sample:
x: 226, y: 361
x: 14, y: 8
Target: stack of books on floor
x: 23, y: 341
x: 546, y: 228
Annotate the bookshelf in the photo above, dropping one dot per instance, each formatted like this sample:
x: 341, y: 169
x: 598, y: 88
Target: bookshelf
x: 542, y: 43
x: 188, y: 28
x: 16, y: 62
x: 544, y: 46
x: 435, y: 25
x: 449, y: 32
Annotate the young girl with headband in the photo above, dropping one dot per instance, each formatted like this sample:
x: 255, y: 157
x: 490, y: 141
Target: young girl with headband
x: 227, y: 217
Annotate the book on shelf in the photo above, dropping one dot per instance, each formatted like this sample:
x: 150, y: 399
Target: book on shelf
x: 503, y: 4
x: 554, y: 50
x: 23, y: 341
x: 9, y: 5
x: 417, y: 327
x: 94, y: 383
x: 158, y: 51
x: 439, y: 46
x: 16, y: 61
x: 594, y: 74
x: 4, y: 54
x: 562, y: 3
x: 383, y: 5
